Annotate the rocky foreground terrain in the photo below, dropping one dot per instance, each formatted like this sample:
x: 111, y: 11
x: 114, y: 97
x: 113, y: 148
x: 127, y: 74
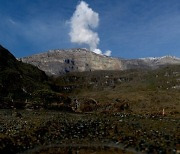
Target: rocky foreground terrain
x: 58, y: 62
x: 57, y: 132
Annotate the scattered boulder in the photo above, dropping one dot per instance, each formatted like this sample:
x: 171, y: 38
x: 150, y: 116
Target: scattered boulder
x: 84, y: 105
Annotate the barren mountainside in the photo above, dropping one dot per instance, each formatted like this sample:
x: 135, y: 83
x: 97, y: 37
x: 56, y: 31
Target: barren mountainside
x: 57, y: 62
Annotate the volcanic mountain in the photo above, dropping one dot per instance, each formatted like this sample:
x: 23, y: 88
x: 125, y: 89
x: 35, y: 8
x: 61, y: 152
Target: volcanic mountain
x: 58, y: 62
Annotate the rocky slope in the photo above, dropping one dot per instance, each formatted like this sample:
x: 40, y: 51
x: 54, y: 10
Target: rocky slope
x: 6, y: 59
x: 17, y: 80
x: 57, y: 62
x: 159, y: 61
x: 150, y: 62
x: 23, y: 85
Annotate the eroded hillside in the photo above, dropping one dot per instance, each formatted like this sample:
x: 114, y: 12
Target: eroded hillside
x: 141, y: 91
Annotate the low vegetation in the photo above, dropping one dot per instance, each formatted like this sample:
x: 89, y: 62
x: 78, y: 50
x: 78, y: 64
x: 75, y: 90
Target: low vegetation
x: 141, y: 91
x: 57, y: 132
x: 24, y: 86
x: 102, y: 111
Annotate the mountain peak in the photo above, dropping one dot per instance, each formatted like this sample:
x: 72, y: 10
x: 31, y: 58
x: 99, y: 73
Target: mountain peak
x: 157, y: 58
x: 61, y: 61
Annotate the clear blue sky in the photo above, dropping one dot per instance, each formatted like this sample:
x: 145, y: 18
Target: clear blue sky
x: 129, y: 28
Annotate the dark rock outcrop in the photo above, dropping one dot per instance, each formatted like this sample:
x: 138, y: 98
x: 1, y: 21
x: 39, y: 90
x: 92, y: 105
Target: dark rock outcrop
x: 7, y: 59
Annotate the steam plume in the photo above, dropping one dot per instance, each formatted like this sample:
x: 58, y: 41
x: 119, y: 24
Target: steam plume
x: 82, y: 23
x: 107, y: 53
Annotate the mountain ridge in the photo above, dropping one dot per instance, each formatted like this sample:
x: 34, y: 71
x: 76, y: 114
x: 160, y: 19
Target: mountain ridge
x: 60, y: 61
x: 57, y: 62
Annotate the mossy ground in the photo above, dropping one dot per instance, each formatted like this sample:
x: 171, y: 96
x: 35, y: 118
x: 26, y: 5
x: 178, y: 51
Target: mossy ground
x: 145, y: 91
x: 39, y: 131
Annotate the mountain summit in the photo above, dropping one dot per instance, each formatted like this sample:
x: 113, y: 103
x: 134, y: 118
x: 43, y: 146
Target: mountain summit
x: 58, y: 62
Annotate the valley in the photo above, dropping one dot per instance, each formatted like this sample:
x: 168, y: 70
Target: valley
x: 128, y: 108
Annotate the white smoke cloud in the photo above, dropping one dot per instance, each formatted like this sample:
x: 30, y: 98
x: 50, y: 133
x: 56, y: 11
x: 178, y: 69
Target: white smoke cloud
x: 98, y: 51
x: 82, y: 23
x: 108, y: 53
